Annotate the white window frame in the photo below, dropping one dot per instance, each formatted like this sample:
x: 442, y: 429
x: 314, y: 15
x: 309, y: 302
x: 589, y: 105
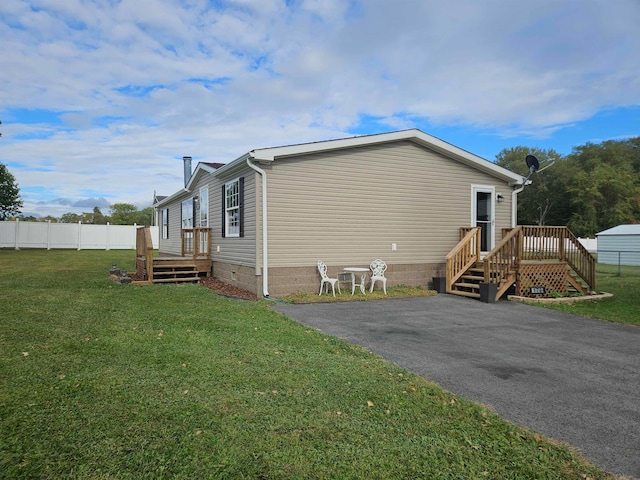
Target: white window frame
x: 203, y: 214
x: 187, y: 213
x: 165, y: 223
x: 232, y: 208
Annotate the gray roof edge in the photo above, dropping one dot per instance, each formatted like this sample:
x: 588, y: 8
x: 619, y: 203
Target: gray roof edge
x: 418, y: 136
x: 628, y: 229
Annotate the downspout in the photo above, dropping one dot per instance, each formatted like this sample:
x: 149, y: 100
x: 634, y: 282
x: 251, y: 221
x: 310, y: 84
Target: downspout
x: 265, y: 262
x: 514, y: 205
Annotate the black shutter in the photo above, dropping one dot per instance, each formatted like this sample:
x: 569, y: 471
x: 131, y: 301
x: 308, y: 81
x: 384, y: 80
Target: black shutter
x: 223, y: 210
x: 241, y: 188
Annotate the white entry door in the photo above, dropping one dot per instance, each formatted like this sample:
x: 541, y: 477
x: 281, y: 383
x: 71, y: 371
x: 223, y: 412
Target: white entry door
x: 482, y: 215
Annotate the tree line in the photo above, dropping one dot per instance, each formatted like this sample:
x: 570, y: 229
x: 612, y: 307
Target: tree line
x: 595, y: 187
x: 119, y: 214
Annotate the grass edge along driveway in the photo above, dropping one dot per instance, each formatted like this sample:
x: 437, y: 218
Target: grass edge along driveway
x: 101, y: 380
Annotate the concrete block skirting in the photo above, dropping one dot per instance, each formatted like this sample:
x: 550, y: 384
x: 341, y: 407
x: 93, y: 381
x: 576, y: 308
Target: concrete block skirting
x: 288, y: 280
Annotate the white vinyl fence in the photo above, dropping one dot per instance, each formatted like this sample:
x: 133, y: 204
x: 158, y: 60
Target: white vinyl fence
x: 590, y: 244
x: 70, y: 235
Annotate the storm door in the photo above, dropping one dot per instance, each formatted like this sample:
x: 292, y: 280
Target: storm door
x: 483, y: 216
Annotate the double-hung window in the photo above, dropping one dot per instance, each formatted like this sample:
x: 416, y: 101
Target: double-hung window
x: 233, y: 198
x: 187, y: 213
x: 165, y: 223
x: 204, y: 207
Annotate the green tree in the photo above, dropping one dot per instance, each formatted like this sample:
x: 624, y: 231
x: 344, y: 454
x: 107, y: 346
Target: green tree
x: 94, y: 218
x: 541, y: 202
x: 10, y: 201
x: 605, y: 185
x: 70, y: 217
x: 144, y: 217
x: 123, y: 214
x: 128, y: 214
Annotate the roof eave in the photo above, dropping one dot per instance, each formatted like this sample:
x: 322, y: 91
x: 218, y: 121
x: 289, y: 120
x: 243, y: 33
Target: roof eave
x: 232, y: 166
x: 170, y: 198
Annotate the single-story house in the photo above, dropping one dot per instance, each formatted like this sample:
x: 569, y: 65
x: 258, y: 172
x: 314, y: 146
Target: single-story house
x: 401, y: 197
x: 619, y: 245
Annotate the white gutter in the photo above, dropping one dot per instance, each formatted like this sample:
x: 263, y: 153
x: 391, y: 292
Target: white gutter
x: 265, y: 262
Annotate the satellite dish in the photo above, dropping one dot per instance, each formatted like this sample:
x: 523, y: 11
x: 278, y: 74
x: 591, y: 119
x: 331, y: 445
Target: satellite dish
x: 534, y: 166
x: 532, y: 163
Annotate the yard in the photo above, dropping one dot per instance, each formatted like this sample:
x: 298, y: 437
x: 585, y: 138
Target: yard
x: 102, y: 380
x: 625, y: 304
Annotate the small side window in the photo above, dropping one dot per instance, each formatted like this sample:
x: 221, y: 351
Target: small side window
x: 165, y: 223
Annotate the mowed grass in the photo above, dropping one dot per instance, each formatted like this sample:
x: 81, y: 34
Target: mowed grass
x: 102, y: 380
x: 623, y: 307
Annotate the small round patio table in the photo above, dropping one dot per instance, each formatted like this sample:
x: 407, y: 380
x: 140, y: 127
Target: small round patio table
x: 363, y: 278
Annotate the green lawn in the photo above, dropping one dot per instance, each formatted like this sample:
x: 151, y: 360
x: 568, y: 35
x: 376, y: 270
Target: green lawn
x: 623, y: 307
x: 102, y: 380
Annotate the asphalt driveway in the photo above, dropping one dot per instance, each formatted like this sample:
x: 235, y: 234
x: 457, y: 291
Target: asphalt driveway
x: 571, y: 378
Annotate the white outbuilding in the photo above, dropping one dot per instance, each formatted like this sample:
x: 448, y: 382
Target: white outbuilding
x: 619, y: 245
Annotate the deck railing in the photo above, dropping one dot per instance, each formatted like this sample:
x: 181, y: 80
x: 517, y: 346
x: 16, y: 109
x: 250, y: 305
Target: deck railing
x: 195, y: 242
x: 503, y: 260
x: 522, y: 243
x: 464, y: 255
x: 544, y: 243
x: 144, y: 249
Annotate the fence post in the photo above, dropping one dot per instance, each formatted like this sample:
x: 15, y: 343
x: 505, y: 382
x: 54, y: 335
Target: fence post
x: 17, y: 234
x: 48, y: 234
x: 107, y: 235
x: 619, y: 273
x: 79, y: 235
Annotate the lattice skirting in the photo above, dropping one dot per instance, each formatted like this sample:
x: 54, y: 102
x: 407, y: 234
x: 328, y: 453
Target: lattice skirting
x: 541, y: 279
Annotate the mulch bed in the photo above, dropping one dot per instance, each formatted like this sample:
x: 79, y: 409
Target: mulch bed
x: 226, y: 290
x: 214, y: 284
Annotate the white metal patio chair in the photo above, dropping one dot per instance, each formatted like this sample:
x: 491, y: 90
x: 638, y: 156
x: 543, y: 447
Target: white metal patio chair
x: 326, y: 280
x: 378, y: 267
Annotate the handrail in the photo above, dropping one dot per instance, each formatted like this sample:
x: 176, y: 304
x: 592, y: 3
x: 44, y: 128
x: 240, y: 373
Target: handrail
x: 195, y: 241
x: 504, y: 258
x: 580, y: 260
x: 465, y: 254
x: 144, y: 248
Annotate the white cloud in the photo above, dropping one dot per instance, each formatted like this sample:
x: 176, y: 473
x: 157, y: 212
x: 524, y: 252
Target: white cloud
x: 141, y: 83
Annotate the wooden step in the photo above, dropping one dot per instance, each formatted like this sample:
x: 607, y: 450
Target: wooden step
x: 176, y: 280
x: 473, y: 278
x: 174, y: 272
x: 472, y: 286
x: 465, y: 294
x: 173, y: 265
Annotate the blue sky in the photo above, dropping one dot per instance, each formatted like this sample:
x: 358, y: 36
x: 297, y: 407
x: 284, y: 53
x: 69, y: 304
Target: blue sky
x: 99, y: 100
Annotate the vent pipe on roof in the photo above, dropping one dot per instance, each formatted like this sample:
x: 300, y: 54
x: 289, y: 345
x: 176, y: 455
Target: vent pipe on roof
x: 187, y: 169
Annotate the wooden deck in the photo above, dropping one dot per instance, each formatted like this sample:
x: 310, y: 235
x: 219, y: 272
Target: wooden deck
x: 535, y: 261
x: 194, y: 263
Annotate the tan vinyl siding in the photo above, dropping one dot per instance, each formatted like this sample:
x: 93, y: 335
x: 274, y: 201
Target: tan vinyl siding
x: 236, y: 250
x: 349, y: 207
x: 173, y: 244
